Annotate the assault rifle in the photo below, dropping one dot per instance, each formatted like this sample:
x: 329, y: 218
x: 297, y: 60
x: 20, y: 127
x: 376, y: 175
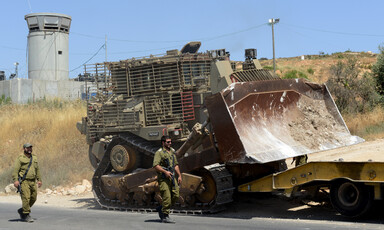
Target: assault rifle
x: 170, y: 169
x: 19, y: 187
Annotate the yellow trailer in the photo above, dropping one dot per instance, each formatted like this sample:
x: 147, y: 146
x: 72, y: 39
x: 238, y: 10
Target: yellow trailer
x: 352, y: 185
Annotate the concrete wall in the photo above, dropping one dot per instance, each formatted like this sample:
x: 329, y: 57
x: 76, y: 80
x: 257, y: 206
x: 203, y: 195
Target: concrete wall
x: 71, y: 90
x: 5, y: 88
x: 29, y: 90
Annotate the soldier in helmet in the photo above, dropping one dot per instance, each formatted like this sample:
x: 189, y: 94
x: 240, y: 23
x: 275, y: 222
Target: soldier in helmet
x: 166, y: 165
x: 26, y: 177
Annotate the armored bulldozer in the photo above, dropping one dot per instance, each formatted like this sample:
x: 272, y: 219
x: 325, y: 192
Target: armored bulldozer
x: 231, y: 123
x: 153, y: 96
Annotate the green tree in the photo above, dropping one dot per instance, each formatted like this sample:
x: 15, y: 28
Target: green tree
x: 352, y: 93
x: 378, y: 71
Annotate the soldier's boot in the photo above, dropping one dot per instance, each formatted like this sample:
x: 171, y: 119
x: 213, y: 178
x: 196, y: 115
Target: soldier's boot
x: 28, y: 219
x: 161, y: 214
x: 20, y: 211
x: 168, y: 220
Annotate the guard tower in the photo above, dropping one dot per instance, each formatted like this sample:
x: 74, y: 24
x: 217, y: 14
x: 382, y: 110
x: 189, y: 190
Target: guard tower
x: 48, y: 46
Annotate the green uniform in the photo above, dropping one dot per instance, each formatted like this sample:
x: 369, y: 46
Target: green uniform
x: 28, y: 186
x: 169, y: 190
x: 300, y: 160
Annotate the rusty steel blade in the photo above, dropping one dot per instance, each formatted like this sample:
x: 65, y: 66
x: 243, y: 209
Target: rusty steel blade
x: 265, y: 121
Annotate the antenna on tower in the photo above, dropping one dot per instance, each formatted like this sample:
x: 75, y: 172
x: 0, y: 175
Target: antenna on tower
x: 29, y: 4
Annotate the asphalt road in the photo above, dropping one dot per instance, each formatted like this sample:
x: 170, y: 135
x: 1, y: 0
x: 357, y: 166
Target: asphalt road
x: 246, y: 213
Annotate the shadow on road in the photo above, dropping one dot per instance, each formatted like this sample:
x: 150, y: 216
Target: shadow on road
x: 256, y: 205
x: 89, y: 203
x: 15, y: 220
x: 249, y: 206
x: 153, y: 221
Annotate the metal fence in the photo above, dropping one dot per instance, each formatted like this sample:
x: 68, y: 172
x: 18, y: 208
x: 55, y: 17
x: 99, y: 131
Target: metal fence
x: 159, y: 83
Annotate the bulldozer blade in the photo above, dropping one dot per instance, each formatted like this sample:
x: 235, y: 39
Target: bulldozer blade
x: 265, y: 121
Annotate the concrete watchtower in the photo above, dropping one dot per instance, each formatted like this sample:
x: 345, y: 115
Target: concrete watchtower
x: 48, y: 46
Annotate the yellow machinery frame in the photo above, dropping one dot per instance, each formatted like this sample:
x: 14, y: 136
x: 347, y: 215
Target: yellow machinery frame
x: 369, y: 173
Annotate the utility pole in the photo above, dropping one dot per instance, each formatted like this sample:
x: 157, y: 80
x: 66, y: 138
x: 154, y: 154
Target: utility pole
x: 272, y: 21
x: 16, y: 69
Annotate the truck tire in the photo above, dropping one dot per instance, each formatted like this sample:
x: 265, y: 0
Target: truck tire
x: 351, y: 199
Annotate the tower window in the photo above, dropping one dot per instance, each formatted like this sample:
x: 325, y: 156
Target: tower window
x: 60, y: 52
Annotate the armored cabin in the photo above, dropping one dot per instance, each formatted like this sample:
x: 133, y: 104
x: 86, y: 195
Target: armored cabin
x: 153, y: 96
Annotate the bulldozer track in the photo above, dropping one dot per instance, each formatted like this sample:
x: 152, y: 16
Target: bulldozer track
x: 221, y: 176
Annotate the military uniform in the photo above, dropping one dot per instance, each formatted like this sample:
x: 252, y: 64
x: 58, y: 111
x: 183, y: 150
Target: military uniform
x: 300, y: 160
x: 169, y: 189
x: 28, y: 186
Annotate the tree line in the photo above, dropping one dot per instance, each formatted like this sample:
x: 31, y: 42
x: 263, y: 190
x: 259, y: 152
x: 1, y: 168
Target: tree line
x: 356, y: 92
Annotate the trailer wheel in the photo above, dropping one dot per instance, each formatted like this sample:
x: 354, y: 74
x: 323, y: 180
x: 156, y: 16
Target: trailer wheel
x: 351, y: 199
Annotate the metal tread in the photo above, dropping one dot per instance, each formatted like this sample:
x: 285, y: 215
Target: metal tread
x: 222, y: 177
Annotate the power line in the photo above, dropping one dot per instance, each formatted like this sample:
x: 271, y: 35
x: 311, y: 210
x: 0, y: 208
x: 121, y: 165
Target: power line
x: 175, y: 41
x: 138, y: 51
x: 309, y: 37
x: 169, y: 47
x: 202, y: 39
x: 124, y: 40
x: 89, y: 58
x: 334, y: 32
x: 49, y: 46
x: 233, y: 33
x: 12, y: 48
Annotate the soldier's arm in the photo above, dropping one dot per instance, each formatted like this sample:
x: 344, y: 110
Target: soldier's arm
x: 168, y: 174
x: 15, y: 173
x: 16, y: 169
x: 179, y: 180
x: 38, y: 176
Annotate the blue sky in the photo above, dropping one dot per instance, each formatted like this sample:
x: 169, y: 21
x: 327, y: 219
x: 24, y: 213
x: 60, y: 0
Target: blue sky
x: 141, y: 28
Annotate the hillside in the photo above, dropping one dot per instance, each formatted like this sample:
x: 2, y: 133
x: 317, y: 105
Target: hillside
x: 316, y: 67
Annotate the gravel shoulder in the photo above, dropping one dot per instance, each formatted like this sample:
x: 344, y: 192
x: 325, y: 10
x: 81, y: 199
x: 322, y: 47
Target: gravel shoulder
x: 366, y: 151
x: 85, y: 200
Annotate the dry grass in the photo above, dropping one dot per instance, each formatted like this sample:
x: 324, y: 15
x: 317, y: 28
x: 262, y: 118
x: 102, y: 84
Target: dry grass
x: 369, y: 126
x: 51, y: 127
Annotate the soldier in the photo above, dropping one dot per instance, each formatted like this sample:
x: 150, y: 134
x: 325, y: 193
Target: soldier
x: 25, y: 174
x: 300, y: 160
x: 166, y: 165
